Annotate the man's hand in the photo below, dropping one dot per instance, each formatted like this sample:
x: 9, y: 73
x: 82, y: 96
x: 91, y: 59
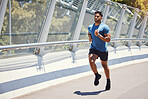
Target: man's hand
x: 97, y: 33
x: 106, y: 38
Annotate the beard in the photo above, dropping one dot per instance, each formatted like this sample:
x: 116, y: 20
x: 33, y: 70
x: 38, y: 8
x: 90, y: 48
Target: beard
x: 98, y: 21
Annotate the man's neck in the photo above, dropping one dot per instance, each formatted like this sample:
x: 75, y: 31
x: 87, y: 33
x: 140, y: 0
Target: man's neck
x: 97, y: 23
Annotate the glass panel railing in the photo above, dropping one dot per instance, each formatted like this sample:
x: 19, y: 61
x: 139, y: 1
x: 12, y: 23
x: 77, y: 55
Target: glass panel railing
x: 26, y: 21
x: 28, y: 18
x: 137, y: 26
x: 86, y: 23
x: 126, y: 23
x: 113, y: 17
x: 61, y: 24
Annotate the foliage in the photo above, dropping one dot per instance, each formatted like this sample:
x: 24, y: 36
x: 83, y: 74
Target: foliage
x: 4, y: 40
x: 141, y: 4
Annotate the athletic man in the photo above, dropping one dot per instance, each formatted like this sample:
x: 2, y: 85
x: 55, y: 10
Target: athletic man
x: 99, y: 34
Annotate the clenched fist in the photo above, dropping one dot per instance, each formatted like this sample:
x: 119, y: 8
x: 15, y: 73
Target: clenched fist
x: 97, y: 33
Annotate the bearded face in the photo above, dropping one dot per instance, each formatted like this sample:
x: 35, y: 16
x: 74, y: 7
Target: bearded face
x: 97, y: 18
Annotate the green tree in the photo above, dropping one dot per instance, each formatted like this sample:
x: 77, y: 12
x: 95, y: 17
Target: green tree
x: 141, y: 4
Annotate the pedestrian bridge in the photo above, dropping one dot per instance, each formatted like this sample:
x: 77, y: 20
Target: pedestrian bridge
x: 44, y: 44
x: 22, y: 75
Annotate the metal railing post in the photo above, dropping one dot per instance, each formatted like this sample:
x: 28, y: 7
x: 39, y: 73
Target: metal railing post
x: 10, y: 24
x: 44, y: 34
x: 76, y: 32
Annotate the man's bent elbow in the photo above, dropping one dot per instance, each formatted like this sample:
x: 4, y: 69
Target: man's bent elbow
x: 108, y: 40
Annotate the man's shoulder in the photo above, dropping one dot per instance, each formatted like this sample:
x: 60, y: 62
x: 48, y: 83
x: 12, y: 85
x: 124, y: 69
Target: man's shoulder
x: 104, y: 25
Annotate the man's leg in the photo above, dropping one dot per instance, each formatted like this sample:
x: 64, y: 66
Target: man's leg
x: 92, y: 59
x: 107, y: 73
x: 106, y: 69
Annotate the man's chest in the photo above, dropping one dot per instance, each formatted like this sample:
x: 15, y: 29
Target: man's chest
x: 100, y: 29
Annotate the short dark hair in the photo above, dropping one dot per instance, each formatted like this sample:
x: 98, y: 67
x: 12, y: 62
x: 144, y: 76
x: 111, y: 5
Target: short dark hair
x: 99, y: 13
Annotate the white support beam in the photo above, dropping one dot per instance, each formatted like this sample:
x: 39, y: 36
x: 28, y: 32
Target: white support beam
x: 3, y: 7
x: 80, y: 21
x: 45, y: 28
x: 119, y: 24
x: 132, y: 26
x: 75, y: 21
x: 44, y: 34
x: 139, y: 22
x: 72, y: 1
x: 77, y: 31
x: 142, y: 28
x: 106, y: 11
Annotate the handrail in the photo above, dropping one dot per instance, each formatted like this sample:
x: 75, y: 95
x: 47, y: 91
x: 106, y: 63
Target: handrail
x: 40, y: 44
x: 129, y: 39
x: 31, y: 45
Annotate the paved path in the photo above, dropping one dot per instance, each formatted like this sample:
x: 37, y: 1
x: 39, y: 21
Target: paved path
x: 128, y: 82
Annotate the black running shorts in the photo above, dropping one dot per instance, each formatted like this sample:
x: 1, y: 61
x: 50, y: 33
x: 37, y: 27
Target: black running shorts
x: 103, y: 55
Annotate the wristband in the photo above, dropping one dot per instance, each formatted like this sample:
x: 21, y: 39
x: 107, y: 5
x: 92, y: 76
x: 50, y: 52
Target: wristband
x: 99, y: 35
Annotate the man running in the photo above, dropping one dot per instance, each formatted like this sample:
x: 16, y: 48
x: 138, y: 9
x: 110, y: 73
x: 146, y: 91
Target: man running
x: 99, y: 34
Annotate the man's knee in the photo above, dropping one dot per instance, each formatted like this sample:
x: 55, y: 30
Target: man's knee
x: 91, y: 59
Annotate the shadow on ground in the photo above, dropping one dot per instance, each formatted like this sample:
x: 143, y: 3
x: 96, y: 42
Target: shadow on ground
x: 88, y: 93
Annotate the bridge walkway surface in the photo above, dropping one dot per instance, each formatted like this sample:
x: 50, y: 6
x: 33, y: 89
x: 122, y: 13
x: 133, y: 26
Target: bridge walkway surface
x: 128, y: 82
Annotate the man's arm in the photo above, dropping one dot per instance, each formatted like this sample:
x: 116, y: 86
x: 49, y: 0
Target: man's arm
x: 107, y: 37
x: 89, y: 35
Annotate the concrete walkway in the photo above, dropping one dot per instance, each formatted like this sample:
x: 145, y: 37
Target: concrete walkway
x: 128, y: 82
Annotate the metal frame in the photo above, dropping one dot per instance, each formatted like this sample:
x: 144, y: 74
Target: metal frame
x: 77, y: 28
x: 75, y: 21
x: 33, y: 45
x: 45, y: 29
x: 80, y: 21
x: 143, y: 26
x: 141, y: 31
x: 9, y: 24
x: 132, y: 26
x: 106, y: 11
x: 118, y: 26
